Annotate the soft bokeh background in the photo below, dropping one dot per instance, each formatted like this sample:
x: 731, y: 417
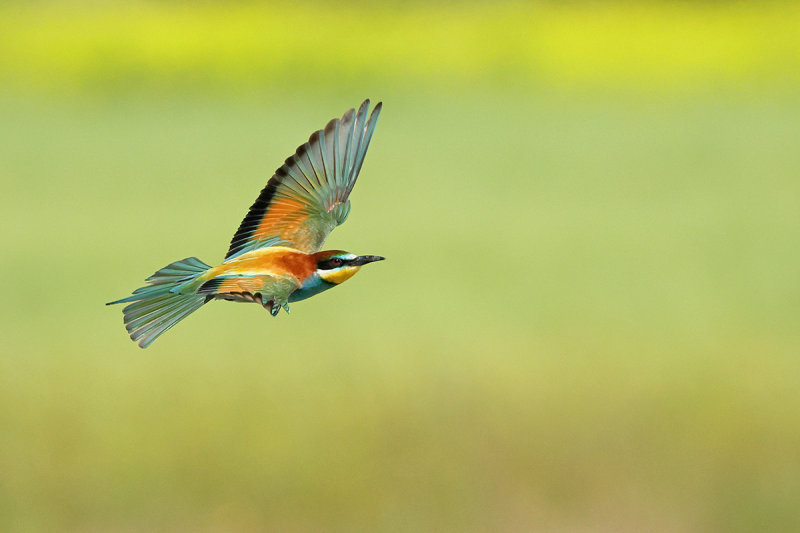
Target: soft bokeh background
x: 589, y: 316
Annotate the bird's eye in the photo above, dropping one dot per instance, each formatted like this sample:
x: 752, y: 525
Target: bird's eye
x: 336, y: 261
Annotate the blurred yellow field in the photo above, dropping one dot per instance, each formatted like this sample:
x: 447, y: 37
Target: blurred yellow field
x: 661, y: 46
x: 587, y: 320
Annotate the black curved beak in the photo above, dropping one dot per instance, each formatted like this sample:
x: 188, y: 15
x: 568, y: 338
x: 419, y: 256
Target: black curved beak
x: 364, y: 259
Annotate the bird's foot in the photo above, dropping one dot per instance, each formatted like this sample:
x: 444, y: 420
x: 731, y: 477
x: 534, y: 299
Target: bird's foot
x: 272, y: 305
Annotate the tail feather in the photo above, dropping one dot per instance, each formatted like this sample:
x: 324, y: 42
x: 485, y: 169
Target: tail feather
x: 140, y: 313
x: 157, y: 324
x: 145, y: 307
x: 158, y: 306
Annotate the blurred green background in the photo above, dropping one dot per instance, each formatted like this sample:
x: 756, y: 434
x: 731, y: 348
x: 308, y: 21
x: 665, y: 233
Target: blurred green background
x: 589, y: 316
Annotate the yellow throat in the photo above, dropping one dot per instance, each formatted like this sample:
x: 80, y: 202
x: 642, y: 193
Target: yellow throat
x: 340, y: 275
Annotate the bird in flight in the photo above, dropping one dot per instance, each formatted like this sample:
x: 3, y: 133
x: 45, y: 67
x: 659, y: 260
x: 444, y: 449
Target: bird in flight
x: 274, y: 258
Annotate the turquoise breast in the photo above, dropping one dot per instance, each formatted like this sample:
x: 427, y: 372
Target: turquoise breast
x: 313, y: 285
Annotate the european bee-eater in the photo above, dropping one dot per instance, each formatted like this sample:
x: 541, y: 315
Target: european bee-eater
x: 274, y: 257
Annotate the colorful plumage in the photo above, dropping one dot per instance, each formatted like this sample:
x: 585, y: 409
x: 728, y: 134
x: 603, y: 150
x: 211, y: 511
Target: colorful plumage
x: 274, y: 257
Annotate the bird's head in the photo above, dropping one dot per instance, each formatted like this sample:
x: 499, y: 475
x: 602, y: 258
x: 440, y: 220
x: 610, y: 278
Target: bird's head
x: 337, y: 266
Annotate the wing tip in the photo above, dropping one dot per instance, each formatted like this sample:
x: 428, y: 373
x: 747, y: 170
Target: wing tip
x: 364, y: 107
x: 330, y: 126
x: 376, y: 111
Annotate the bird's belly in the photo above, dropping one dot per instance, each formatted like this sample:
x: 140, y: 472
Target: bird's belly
x: 307, y: 291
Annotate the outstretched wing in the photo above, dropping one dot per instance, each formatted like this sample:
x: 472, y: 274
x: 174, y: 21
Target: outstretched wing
x: 307, y: 196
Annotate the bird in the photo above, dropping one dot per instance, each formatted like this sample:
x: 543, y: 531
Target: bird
x: 275, y: 256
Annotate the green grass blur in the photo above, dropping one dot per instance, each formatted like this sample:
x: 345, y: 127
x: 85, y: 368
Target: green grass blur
x: 588, y: 320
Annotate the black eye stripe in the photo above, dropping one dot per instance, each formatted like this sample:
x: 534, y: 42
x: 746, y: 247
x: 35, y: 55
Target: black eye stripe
x: 330, y: 264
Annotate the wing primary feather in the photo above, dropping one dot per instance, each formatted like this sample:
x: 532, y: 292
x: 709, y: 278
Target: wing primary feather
x: 293, y: 167
x: 313, y: 155
x: 358, y: 138
x: 305, y: 166
x: 292, y: 184
x: 285, y: 172
x: 336, y: 152
x: 328, y: 151
x: 344, y: 139
x: 350, y: 151
x: 367, y: 136
x: 323, y: 157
